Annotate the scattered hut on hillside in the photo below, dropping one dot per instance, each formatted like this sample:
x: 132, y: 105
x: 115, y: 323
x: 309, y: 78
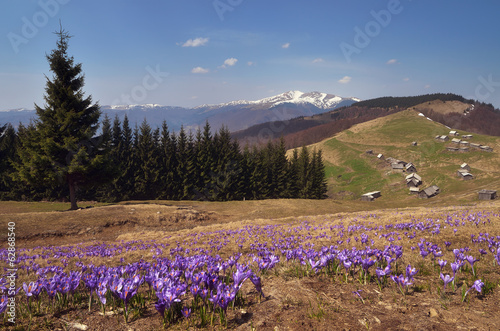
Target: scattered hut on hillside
x: 487, y: 195
x: 466, y: 175
x: 486, y: 148
x: 413, y: 180
x: 369, y: 152
x: 452, y: 149
x: 429, y: 192
x: 474, y: 145
x: 380, y: 156
x: 414, y: 143
x: 464, y: 143
x: 397, y: 167
x: 414, y: 190
x: 465, y: 166
x: 463, y: 149
x: 453, y: 133
x: 390, y: 160
x: 370, y: 196
x: 410, y: 167
x: 413, y: 175
x: 444, y: 138
x: 467, y: 136
x: 456, y: 141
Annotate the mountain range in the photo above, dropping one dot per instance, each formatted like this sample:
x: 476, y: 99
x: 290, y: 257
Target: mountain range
x: 236, y: 115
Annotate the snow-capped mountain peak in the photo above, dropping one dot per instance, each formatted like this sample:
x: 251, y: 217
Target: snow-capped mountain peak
x: 318, y: 99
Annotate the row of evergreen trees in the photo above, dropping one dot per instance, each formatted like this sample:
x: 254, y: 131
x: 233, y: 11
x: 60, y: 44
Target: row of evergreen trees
x: 146, y: 163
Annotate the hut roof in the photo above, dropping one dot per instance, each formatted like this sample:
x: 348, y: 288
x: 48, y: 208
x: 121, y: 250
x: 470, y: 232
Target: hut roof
x: 431, y: 191
x: 413, y: 175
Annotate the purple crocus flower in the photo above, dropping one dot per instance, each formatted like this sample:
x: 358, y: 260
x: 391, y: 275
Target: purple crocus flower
x: 186, y: 312
x: 446, y: 279
x: 3, y: 303
x: 442, y: 263
x: 410, y: 272
x: 257, y: 283
x: 160, y: 306
x: 478, y: 285
x: 455, y: 266
x: 101, y: 293
x: 383, y: 272
x: 367, y: 263
x: 471, y: 260
x: 29, y: 288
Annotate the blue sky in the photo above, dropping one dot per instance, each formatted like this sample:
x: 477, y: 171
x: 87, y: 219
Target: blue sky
x: 193, y: 52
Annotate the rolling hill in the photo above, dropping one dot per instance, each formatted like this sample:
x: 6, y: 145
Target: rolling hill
x: 352, y: 172
x: 449, y: 109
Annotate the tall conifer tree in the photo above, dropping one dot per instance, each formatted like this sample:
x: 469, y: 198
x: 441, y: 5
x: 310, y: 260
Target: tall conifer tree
x: 64, y: 148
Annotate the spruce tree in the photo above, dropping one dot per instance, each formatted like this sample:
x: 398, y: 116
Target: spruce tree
x: 125, y: 181
x: 304, y: 163
x: 280, y: 169
x: 293, y: 187
x: 205, y: 162
x: 167, y: 162
x: 8, y: 141
x: 318, y: 186
x: 63, y: 147
x: 148, y: 173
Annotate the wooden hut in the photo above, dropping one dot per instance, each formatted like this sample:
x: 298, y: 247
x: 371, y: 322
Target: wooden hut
x: 370, y: 196
x: 410, y: 167
x: 466, y: 175
x: 429, y: 192
x: 414, y: 190
x: 465, y: 166
x: 487, y: 195
x: 397, y: 167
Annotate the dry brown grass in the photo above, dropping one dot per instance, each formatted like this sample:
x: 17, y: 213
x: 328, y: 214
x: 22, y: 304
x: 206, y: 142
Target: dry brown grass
x: 441, y: 107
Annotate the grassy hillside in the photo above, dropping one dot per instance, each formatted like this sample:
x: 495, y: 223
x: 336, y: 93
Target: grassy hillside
x: 352, y: 172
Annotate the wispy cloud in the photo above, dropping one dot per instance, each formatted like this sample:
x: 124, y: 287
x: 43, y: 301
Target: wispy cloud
x: 199, y: 70
x: 345, y: 80
x: 195, y: 42
x: 318, y: 60
x: 406, y: 79
x: 285, y: 46
x: 250, y: 63
x: 229, y: 63
x: 392, y: 61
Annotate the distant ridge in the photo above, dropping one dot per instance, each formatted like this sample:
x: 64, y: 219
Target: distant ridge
x: 410, y: 101
x: 236, y: 115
